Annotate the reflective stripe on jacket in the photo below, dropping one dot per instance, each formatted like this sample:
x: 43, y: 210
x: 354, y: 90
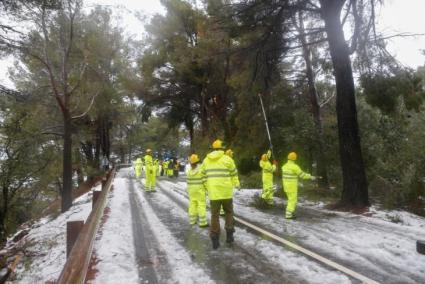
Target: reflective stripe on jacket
x: 148, y: 162
x: 220, y: 175
x: 268, y: 169
x: 290, y: 174
x: 194, y: 180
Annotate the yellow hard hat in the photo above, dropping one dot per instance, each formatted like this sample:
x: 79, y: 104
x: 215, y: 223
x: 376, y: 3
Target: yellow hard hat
x: 229, y: 153
x: 292, y: 156
x: 217, y: 144
x: 194, y: 158
x: 264, y: 157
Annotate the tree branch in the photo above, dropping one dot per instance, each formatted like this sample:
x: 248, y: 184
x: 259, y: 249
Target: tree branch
x: 88, y: 109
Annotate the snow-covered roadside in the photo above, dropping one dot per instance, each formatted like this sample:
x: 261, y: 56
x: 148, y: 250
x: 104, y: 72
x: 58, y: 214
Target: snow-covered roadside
x: 388, y: 217
x: 114, y: 247
x: 371, y: 244
x: 184, y: 270
x: 45, y: 244
x: 293, y: 264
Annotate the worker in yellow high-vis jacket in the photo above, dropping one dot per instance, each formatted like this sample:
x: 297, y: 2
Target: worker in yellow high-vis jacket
x: 150, y: 171
x: 155, y: 173
x: 229, y: 153
x: 220, y: 177
x: 197, y: 193
x: 156, y: 167
x: 138, y: 164
x: 165, y: 167
x: 170, y: 170
x: 291, y: 172
x: 267, y: 177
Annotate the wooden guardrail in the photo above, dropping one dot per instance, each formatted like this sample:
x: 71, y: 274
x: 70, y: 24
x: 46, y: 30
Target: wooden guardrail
x: 76, y: 266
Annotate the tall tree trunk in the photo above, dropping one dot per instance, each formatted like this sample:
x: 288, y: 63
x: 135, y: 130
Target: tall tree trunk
x: 97, y: 147
x: 355, y: 192
x: 78, y: 167
x: 67, y: 163
x: 315, y: 107
x: 3, y: 234
x: 191, y: 138
x: 80, y: 176
x: 3, y: 214
x: 130, y: 153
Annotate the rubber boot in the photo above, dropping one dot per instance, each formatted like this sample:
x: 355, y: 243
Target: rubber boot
x: 229, y: 236
x: 215, y: 242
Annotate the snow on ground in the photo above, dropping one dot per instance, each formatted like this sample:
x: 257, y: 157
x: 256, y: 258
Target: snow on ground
x: 179, y: 260
x: 377, y: 246
x: 46, y: 244
x: 114, y: 248
x: 384, y: 249
x: 292, y: 263
x: 380, y: 245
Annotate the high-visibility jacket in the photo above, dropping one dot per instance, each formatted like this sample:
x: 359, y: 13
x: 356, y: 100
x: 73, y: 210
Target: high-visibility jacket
x: 148, y: 162
x: 195, y: 182
x: 197, y: 198
x: 268, y: 169
x: 156, y: 167
x: 138, y: 163
x: 138, y: 166
x: 220, y: 175
x: 291, y: 172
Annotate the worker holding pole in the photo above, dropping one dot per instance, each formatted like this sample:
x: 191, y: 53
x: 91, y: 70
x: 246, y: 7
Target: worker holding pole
x: 267, y: 124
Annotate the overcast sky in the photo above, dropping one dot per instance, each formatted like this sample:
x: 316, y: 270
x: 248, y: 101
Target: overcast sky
x: 397, y: 16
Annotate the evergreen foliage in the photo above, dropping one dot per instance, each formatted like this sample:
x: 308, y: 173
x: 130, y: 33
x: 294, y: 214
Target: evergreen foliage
x: 196, y: 77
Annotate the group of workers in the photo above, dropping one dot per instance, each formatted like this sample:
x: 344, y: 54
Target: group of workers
x: 153, y: 168
x: 170, y: 168
x: 217, y: 178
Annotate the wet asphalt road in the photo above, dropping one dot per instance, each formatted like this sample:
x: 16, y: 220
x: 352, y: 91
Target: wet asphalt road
x: 150, y: 259
x: 235, y: 264
x: 315, y: 222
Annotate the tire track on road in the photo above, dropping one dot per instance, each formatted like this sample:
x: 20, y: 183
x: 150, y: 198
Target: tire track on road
x: 227, y: 264
x: 253, y: 254
x: 151, y: 262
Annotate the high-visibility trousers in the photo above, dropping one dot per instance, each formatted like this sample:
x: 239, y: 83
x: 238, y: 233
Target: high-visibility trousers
x: 154, y: 179
x: 267, y: 193
x: 292, y: 202
x: 138, y: 171
x: 150, y: 179
x: 197, y: 208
